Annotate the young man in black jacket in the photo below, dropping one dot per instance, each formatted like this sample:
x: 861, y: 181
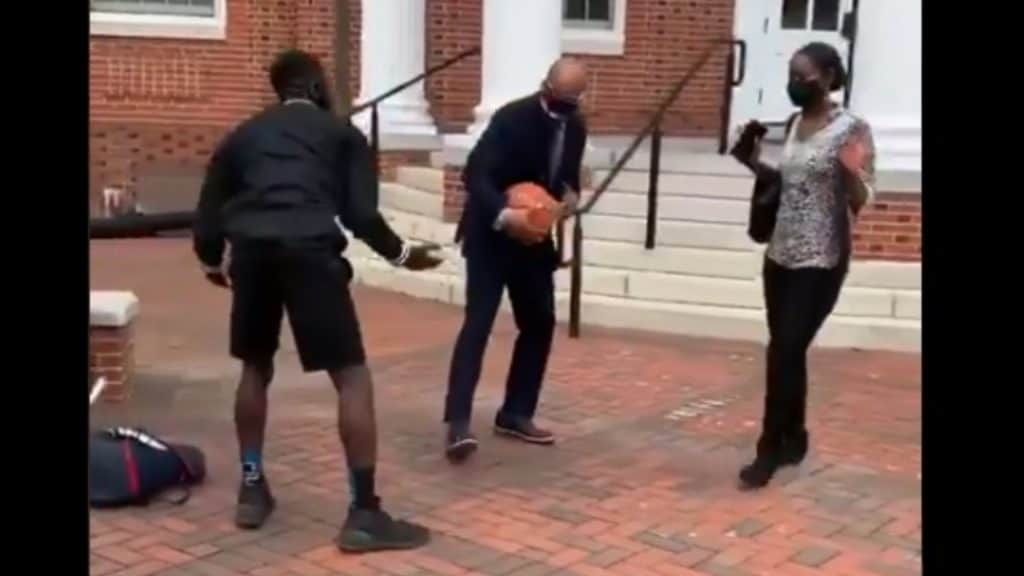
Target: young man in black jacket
x: 537, y: 139
x: 278, y: 191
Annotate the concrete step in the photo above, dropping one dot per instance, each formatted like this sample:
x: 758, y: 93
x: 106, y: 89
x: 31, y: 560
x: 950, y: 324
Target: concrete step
x: 411, y: 200
x: 675, y: 208
x: 880, y: 274
x: 425, y: 178
x: 697, y: 290
x: 618, y: 299
x: 741, y: 324
x: 451, y: 264
x: 708, y: 321
x: 415, y: 228
x: 668, y: 233
x: 434, y: 285
x: 729, y: 187
x: 672, y: 260
x: 682, y: 289
x: 712, y: 251
x: 908, y: 304
x: 419, y: 227
x: 689, y: 163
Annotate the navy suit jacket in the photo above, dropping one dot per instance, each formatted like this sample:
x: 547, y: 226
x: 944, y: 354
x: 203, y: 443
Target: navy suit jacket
x: 516, y: 147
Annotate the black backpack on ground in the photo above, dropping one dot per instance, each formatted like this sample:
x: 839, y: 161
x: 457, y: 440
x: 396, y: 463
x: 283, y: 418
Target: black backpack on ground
x: 128, y: 467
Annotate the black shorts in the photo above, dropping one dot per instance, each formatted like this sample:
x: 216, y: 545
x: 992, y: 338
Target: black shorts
x: 309, y: 279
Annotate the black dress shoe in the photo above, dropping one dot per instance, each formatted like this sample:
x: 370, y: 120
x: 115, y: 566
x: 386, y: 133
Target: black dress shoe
x: 460, y: 443
x: 522, y: 429
x: 794, y: 449
x: 759, y: 473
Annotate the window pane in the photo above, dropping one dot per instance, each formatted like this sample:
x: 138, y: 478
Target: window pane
x: 599, y: 10
x: 574, y: 9
x: 160, y: 7
x: 826, y: 15
x: 794, y: 14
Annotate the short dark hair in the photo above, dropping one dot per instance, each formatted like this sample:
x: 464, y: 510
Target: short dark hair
x: 292, y: 73
x: 826, y: 58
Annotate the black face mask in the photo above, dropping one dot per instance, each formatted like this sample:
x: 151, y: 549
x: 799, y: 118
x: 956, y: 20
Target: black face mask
x: 563, y: 108
x: 802, y: 93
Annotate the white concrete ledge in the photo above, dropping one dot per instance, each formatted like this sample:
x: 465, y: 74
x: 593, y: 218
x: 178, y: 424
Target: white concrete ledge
x: 411, y: 200
x: 108, y: 309
x: 422, y: 178
x: 394, y: 142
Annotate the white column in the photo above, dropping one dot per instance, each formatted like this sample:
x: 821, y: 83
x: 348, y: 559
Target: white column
x: 887, y: 80
x: 521, y: 39
x: 392, y: 50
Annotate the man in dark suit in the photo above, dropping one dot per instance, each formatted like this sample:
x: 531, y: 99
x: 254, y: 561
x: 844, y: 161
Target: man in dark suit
x: 537, y: 139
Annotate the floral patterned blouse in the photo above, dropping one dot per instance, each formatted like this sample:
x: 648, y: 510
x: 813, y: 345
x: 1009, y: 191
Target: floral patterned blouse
x: 814, y: 214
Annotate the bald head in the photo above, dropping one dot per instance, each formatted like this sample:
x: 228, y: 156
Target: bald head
x: 564, y: 85
x: 567, y: 75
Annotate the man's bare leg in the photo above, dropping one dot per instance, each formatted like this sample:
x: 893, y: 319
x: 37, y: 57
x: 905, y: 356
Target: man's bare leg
x: 367, y: 527
x: 255, y: 503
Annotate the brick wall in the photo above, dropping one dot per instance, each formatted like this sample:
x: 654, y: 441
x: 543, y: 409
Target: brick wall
x: 890, y: 229
x: 453, y: 26
x: 170, y: 100
x: 663, y: 39
x: 355, y: 27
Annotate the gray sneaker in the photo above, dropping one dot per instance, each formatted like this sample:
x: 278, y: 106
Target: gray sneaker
x: 255, y: 504
x: 373, y: 530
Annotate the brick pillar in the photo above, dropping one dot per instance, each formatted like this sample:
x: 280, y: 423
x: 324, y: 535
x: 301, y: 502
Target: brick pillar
x: 112, y: 356
x: 112, y: 341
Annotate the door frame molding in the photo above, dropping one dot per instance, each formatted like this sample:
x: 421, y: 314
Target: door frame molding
x: 749, y: 20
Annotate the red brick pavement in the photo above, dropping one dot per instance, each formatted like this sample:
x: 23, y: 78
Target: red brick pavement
x: 651, y: 433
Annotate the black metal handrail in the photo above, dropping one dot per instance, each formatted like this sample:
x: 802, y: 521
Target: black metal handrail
x: 652, y: 129
x: 374, y: 103
x: 732, y: 80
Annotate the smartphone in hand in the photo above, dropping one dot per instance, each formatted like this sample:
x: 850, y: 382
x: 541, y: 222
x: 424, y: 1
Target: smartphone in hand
x: 747, y: 148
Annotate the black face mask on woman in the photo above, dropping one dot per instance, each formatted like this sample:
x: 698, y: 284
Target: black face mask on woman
x: 803, y: 93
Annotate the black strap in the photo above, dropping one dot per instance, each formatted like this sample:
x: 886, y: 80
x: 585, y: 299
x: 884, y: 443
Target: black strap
x: 789, y: 125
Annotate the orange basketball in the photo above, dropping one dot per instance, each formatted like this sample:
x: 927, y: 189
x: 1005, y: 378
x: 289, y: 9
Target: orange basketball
x: 540, y: 205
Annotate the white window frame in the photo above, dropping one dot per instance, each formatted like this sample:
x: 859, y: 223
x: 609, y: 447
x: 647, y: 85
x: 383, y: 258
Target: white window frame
x: 603, y: 42
x: 161, y: 25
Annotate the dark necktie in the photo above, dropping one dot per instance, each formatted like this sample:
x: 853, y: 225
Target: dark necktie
x: 555, y: 158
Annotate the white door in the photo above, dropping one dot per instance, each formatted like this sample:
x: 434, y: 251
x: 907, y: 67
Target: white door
x: 788, y: 25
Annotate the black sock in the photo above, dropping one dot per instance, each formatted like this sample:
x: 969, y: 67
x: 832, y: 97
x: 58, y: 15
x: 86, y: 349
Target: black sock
x: 362, y: 484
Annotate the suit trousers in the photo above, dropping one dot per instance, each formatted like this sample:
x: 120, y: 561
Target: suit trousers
x: 492, y: 265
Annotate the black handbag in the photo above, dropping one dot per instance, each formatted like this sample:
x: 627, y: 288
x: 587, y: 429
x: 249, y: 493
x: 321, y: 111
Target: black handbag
x: 764, y: 202
x: 764, y: 205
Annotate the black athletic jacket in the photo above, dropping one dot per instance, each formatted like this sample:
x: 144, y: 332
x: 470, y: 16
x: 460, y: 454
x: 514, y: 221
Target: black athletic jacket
x: 291, y: 171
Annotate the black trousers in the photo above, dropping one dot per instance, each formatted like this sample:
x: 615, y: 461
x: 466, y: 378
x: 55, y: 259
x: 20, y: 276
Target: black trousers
x: 798, y: 302
x: 529, y: 276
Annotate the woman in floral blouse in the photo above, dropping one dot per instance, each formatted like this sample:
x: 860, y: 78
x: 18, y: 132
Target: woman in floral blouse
x: 827, y: 171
